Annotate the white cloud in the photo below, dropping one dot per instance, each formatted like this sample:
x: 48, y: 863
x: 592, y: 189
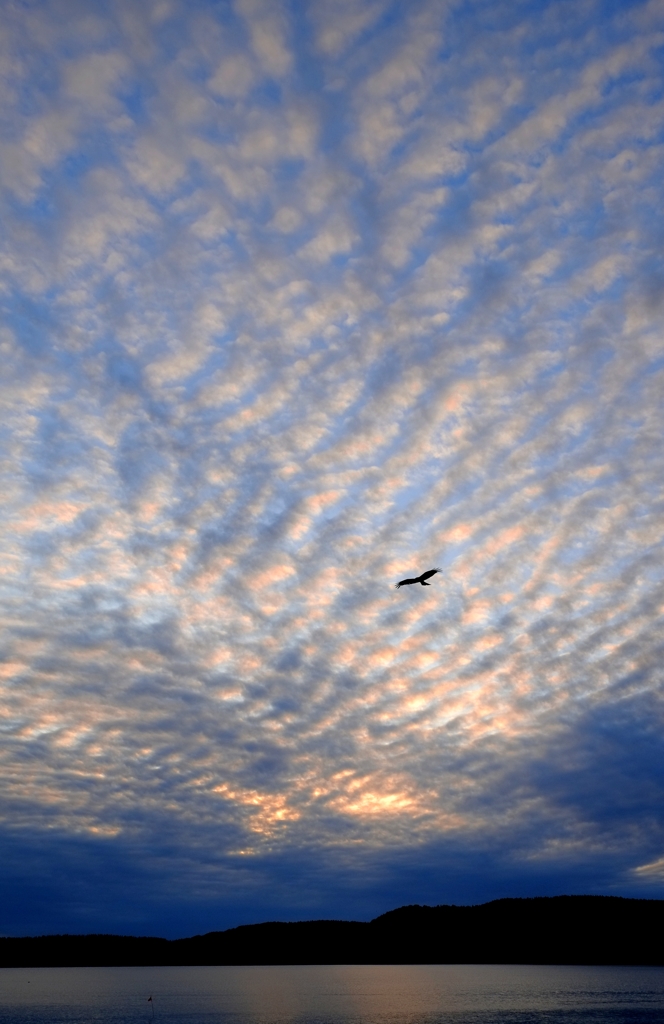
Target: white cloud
x: 234, y: 77
x: 340, y: 22
x: 269, y: 355
x: 268, y: 31
x: 336, y: 237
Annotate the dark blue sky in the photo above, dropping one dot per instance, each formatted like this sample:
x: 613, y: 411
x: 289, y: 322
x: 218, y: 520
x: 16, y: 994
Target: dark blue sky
x: 300, y: 299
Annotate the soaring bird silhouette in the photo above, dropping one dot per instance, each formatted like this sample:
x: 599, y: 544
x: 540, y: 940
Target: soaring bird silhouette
x: 419, y: 579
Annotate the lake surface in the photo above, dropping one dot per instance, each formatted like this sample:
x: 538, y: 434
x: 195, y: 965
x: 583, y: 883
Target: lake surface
x: 465, y: 994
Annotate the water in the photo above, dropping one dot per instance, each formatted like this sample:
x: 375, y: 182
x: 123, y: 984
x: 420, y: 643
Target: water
x: 465, y: 994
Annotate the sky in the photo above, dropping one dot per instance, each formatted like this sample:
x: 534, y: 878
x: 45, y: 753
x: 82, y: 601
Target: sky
x: 300, y: 299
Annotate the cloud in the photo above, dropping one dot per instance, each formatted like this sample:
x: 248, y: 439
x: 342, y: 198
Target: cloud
x: 234, y: 77
x: 268, y: 30
x: 339, y: 24
x: 295, y: 307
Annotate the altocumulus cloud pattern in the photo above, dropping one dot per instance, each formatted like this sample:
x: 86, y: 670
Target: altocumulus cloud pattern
x: 300, y: 299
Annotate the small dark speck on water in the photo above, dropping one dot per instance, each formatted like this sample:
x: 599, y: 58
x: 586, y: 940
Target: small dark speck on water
x: 424, y: 994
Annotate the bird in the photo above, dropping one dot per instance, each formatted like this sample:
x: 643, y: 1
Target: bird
x: 419, y: 579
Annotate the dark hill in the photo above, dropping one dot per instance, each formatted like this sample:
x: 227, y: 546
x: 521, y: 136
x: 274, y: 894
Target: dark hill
x: 544, y: 930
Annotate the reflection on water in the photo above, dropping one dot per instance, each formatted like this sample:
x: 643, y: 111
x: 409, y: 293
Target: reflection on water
x: 464, y: 994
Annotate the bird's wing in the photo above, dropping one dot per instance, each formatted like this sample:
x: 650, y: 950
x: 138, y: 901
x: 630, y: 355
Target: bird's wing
x: 401, y: 582
x: 429, y: 573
